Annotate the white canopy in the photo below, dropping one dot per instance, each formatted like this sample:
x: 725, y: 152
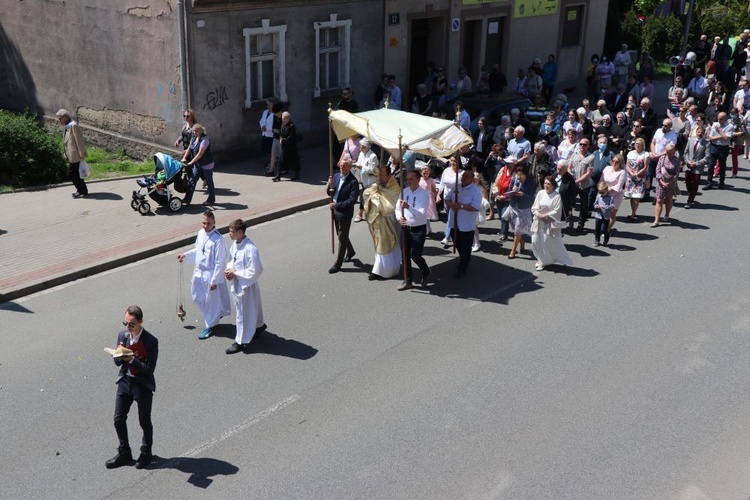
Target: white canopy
x: 421, y: 134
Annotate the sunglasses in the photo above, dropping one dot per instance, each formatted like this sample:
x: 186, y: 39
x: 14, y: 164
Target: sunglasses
x: 131, y: 324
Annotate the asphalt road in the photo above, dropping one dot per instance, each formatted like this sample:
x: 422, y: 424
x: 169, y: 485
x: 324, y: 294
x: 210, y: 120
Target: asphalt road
x: 624, y: 377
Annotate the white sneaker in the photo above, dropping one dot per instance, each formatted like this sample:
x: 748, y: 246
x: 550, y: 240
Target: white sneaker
x: 475, y: 248
x: 445, y: 242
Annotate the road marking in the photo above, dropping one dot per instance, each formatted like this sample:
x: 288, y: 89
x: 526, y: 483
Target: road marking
x: 233, y: 431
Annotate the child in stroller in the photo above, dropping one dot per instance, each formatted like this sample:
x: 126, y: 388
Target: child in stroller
x: 168, y: 172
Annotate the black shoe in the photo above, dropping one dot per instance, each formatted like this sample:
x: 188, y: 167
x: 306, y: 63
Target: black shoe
x: 721, y: 185
x: 349, y: 258
x: 606, y: 241
x: 123, y: 457
x: 579, y: 228
x: 295, y: 178
x: 145, y: 458
x: 425, y: 279
x: 234, y: 348
x: 374, y: 277
x: 276, y: 179
x: 260, y: 329
x: 334, y: 269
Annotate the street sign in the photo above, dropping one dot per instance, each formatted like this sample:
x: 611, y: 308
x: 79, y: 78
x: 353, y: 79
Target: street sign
x: 456, y: 24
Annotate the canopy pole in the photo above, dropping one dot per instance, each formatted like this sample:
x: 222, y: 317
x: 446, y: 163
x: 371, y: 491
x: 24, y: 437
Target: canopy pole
x: 458, y: 169
x: 330, y: 175
x: 404, y: 257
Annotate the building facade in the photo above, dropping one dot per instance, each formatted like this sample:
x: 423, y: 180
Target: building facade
x: 474, y: 33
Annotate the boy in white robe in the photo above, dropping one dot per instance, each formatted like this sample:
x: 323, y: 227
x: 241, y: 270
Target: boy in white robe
x: 243, y: 270
x: 208, y: 289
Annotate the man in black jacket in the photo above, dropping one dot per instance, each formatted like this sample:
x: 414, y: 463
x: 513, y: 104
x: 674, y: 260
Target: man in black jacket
x: 135, y: 382
x: 343, y: 188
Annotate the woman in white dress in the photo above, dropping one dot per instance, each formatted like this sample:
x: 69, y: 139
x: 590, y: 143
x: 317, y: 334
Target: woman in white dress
x: 546, y: 231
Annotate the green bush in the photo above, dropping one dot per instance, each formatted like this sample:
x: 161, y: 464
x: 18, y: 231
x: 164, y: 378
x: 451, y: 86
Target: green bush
x: 30, y: 156
x: 662, y: 37
x: 631, y: 32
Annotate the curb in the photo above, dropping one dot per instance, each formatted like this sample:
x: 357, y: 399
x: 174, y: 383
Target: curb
x: 150, y: 252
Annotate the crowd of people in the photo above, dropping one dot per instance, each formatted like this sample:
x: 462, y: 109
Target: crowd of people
x: 547, y: 170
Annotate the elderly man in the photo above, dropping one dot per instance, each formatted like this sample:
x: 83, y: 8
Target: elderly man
x: 365, y: 169
x: 411, y: 212
x: 618, y: 99
x: 519, y: 147
x: 343, y: 188
x: 719, y: 136
x: 75, y: 151
x: 466, y: 209
x: 208, y: 288
x: 647, y: 116
x: 697, y: 84
x: 380, y: 209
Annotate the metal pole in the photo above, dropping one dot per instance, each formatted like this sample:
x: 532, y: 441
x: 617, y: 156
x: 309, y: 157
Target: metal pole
x: 689, y: 17
x: 458, y: 169
x: 330, y: 175
x: 404, y: 257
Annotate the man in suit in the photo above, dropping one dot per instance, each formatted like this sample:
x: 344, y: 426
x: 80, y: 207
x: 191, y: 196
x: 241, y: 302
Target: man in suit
x: 135, y: 382
x: 618, y: 99
x: 647, y: 116
x: 343, y: 188
x: 75, y: 151
x: 695, y: 157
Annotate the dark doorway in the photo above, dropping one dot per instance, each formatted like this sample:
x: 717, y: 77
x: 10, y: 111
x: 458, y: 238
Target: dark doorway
x: 472, y: 48
x: 493, y: 53
x: 427, y: 44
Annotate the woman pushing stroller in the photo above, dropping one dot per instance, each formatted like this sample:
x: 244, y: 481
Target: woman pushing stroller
x: 198, y: 158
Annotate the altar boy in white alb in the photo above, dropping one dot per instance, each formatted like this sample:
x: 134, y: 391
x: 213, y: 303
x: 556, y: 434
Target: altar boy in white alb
x: 243, y: 270
x: 208, y: 288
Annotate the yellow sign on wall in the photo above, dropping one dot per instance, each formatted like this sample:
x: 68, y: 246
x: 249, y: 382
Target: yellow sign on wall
x: 531, y: 8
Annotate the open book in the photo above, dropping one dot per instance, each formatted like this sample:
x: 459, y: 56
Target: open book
x: 119, y: 352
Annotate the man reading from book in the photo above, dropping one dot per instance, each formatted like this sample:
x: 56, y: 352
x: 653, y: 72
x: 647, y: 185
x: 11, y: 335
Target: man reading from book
x: 135, y: 382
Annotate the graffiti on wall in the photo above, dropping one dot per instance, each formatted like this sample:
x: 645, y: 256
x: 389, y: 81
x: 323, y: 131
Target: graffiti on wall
x: 216, y: 98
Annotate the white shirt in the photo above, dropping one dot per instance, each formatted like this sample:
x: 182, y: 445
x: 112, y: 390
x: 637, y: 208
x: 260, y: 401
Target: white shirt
x: 469, y: 195
x: 416, y: 214
x: 448, y: 182
x: 266, y: 120
x: 661, y: 140
x: 366, y: 165
x: 696, y: 85
x: 714, y: 136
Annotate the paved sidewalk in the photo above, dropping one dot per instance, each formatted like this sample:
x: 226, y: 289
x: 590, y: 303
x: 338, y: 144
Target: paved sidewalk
x: 48, y: 238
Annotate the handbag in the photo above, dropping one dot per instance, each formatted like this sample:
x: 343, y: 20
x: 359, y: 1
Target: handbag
x: 83, y: 169
x: 506, y: 213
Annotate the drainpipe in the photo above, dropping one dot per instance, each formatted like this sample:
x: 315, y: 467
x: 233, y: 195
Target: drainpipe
x: 181, y: 19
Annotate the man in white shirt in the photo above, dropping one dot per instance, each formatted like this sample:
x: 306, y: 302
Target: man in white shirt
x: 718, y: 136
x: 466, y: 208
x: 365, y: 169
x: 208, y: 288
x: 462, y: 117
x: 742, y: 97
x: 411, y: 212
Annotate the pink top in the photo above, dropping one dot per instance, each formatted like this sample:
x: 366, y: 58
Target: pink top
x: 616, y: 181
x: 429, y: 186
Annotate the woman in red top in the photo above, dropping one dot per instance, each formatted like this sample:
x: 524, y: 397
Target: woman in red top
x: 499, y: 188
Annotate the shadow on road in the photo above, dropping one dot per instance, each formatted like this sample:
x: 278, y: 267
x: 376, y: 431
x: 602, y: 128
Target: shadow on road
x: 201, y: 470
x: 683, y: 225
x: 270, y: 343
x: 105, y: 196
x: 484, y: 281
x: 2, y: 232
x: 13, y: 307
x: 713, y: 206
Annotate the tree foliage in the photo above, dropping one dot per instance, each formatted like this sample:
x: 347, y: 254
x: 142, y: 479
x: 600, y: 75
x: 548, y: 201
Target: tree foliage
x: 30, y: 156
x: 662, y: 37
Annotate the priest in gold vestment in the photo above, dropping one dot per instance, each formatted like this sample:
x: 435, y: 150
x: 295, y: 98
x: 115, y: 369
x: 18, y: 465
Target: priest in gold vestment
x: 380, y: 212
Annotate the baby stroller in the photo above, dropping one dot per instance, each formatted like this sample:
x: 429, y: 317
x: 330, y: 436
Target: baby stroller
x: 168, y: 172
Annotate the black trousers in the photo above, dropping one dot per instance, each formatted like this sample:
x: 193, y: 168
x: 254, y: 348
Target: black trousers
x: 414, y: 245
x: 128, y: 391
x: 345, y: 246
x: 717, y: 153
x: 76, y: 179
x: 583, y: 198
x: 464, y: 242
